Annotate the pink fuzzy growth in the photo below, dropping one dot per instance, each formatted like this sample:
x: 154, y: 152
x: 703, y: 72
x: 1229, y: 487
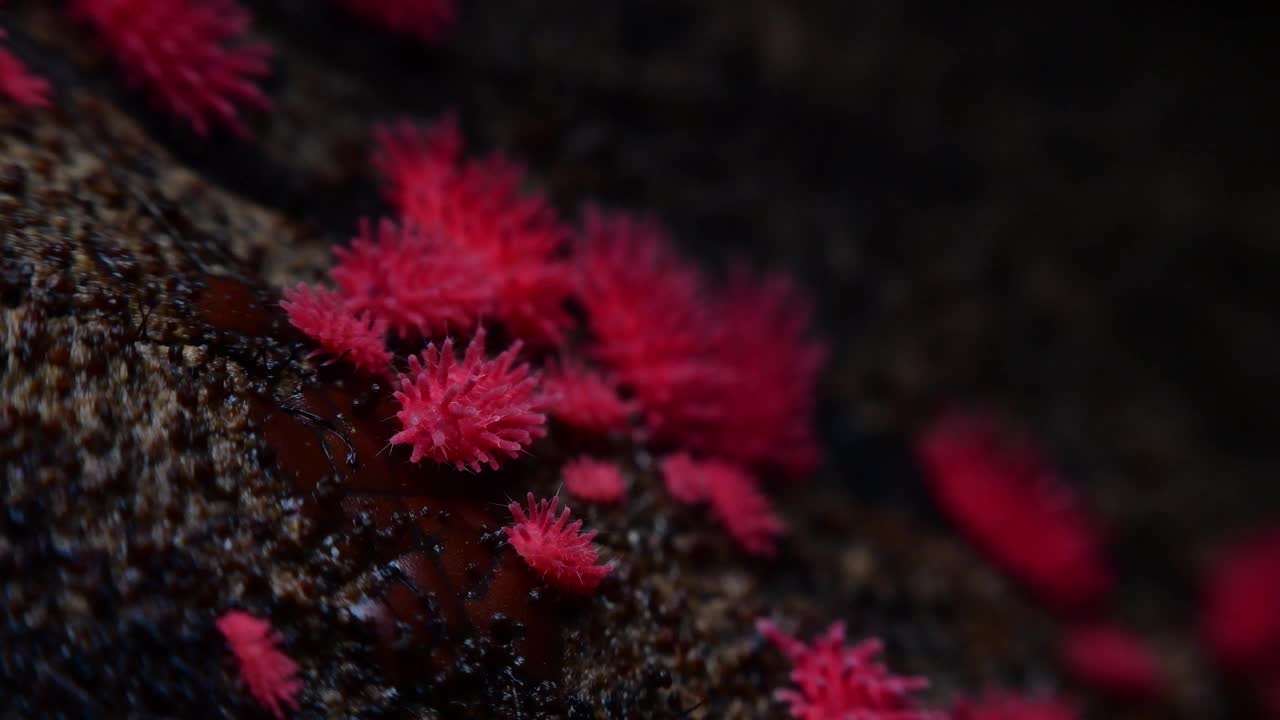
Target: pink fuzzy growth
x: 425, y: 20
x: 585, y: 399
x: 468, y: 413
x: 730, y: 373
x: 736, y: 500
x: 594, y: 480
x: 1113, y: 659
x: 322, y: 316
x: 189, y: 54
x: 766, y: 345
x: 270, y: 675
x: 18, y: 83
x: 999, y: 490
x: 685, y: 478
x: 410, y: 280
x: 745, y: 512
x: 1239, y: 620
x: 647, y: 310
x: 410, y: 157
x: 555, y: 547
x: 1007, y: 706
x: 479, y: 208
x: 835, y: 682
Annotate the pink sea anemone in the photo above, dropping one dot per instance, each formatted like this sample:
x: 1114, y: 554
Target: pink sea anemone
x: 648, y: 314
x: 412, y: 158
x: 744, y: 511
x: 1239, y: 620
x: 594, y: 480
x: 555, y: 547
x: 18, y: 83
x: 409, y: 279
x: 729, y: 371
x: 999, y: 490
x: 685, y: 478
x: 766, y: 345
x: 833, y: 681
x: 480, y: 209
x: 468, y: 412
x: 1114, y: 659
x: 734, y: 495
x: 585, y: 399
x: 270, y: 675
x: 321, y: 314
x: 190, y: 55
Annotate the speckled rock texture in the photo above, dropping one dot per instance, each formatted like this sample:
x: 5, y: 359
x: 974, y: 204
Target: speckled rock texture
x: 1059, y: 212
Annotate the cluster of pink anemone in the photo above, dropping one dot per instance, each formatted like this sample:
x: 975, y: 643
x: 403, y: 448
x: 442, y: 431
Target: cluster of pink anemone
x: 196, y: 59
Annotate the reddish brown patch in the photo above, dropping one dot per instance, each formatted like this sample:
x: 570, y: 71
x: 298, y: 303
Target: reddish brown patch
x: 233, y: 306
x: 447, y: 577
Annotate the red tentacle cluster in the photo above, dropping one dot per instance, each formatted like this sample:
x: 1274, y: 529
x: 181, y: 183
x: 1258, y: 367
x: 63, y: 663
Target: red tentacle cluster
x: 729, y: 371
x: 647, y: 311
x: 1113, y: 659
x: 425, y: 20
x: 765, y: 325
x: 478, y: 210
x: 322, y: 315
x: 833, y: 681
x: 1000, y: 491
x: 190, y: 55
x: 18, y: 83
x: 555, y: 547
x: 1008, y: 706
x: 406, y: 278
x: 270, y: 675
x: 1239, y: 620
x: 410, y: 156
x: 735, y: 498
x: 744, y: 511
x: 594, y: 480
x: 585, y: 399
x: 470, y: 412
x: 685, y: 478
